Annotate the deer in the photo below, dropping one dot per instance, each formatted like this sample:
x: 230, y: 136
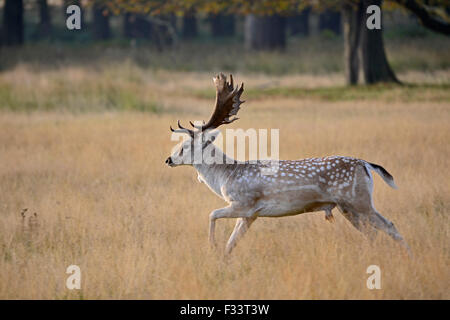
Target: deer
x: 298, y: 186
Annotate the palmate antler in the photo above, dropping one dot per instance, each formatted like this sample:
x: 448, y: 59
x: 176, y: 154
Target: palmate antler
x: 227, y: 105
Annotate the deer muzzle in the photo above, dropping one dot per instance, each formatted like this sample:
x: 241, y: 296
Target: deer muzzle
x: 169, y: 162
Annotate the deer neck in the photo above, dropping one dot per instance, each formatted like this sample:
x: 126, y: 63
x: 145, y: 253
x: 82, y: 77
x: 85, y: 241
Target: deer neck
x: 215, y: 175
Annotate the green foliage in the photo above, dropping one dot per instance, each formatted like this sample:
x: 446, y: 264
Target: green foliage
x: 81, y: 98
x: 435, y: 8
x: 384, y: 92
x: 157, y: 7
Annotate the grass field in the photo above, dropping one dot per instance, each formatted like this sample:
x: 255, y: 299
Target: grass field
x: 84, y: 149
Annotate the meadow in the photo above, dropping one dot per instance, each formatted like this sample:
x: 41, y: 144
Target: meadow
x: 83, y: 139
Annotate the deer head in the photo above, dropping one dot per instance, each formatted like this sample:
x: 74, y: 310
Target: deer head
x: 201, y: 136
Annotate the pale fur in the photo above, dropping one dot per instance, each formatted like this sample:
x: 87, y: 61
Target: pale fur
x: 299, y: 186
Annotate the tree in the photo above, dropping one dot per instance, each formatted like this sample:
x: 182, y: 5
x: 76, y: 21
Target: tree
x: 136, y: 26
x: 351, y: 22
x: 365, y: 48
x: 330, y: 20
x: 45, y: 23
x: 189, y: 24
x: 100, y: 22
x: 222, y: 25
x: 265, y: 25
x: 299, y: 22
x: 265, y: 32
x: 373, y: 55
x: 428, y: 20
x: 13, y: 23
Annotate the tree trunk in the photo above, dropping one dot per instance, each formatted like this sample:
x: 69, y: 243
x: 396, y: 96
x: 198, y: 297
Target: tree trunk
x: 222, y: 25
x: 330, y: 20
x: 299, y: 23
x: 163, y: 31
x: 373, y: 56
x: 352, y: 16
x: 136, y: 26
x: 189, y: 25
x: 265, y: 32
x: 45, y: 22
x: 101, y: 22
x: 127, y: 26
x: 13, y: 22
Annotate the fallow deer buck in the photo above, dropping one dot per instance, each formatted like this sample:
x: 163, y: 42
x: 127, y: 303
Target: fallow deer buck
x: 299, y: 186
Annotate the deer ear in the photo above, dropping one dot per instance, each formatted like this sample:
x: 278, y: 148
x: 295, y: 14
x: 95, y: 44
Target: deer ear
x: 211, y: 136
x: 214, y: 134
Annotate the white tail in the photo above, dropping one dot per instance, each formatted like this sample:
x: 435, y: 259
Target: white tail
x: 299, y: 186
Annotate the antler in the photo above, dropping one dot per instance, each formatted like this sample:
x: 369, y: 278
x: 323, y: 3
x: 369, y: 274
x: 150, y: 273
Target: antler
x: 227, y: 103
x: 182, y: 130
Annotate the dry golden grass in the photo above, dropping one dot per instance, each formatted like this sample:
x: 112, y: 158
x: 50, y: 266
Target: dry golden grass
x: 105, y: 200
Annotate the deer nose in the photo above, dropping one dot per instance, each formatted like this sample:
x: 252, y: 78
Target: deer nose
x: 169, y: 161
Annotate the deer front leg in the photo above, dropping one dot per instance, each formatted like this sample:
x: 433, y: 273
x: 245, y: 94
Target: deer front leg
x: 232, y: 211
x: 212, y: 227
x: 216, y: 214
x: 242, y: 225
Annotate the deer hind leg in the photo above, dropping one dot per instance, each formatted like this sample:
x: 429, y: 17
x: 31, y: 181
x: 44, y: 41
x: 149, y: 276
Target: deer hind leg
x: 241, y: 227
x: 381, y: 223
x: 368, y: 221
x: 359, y: 221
